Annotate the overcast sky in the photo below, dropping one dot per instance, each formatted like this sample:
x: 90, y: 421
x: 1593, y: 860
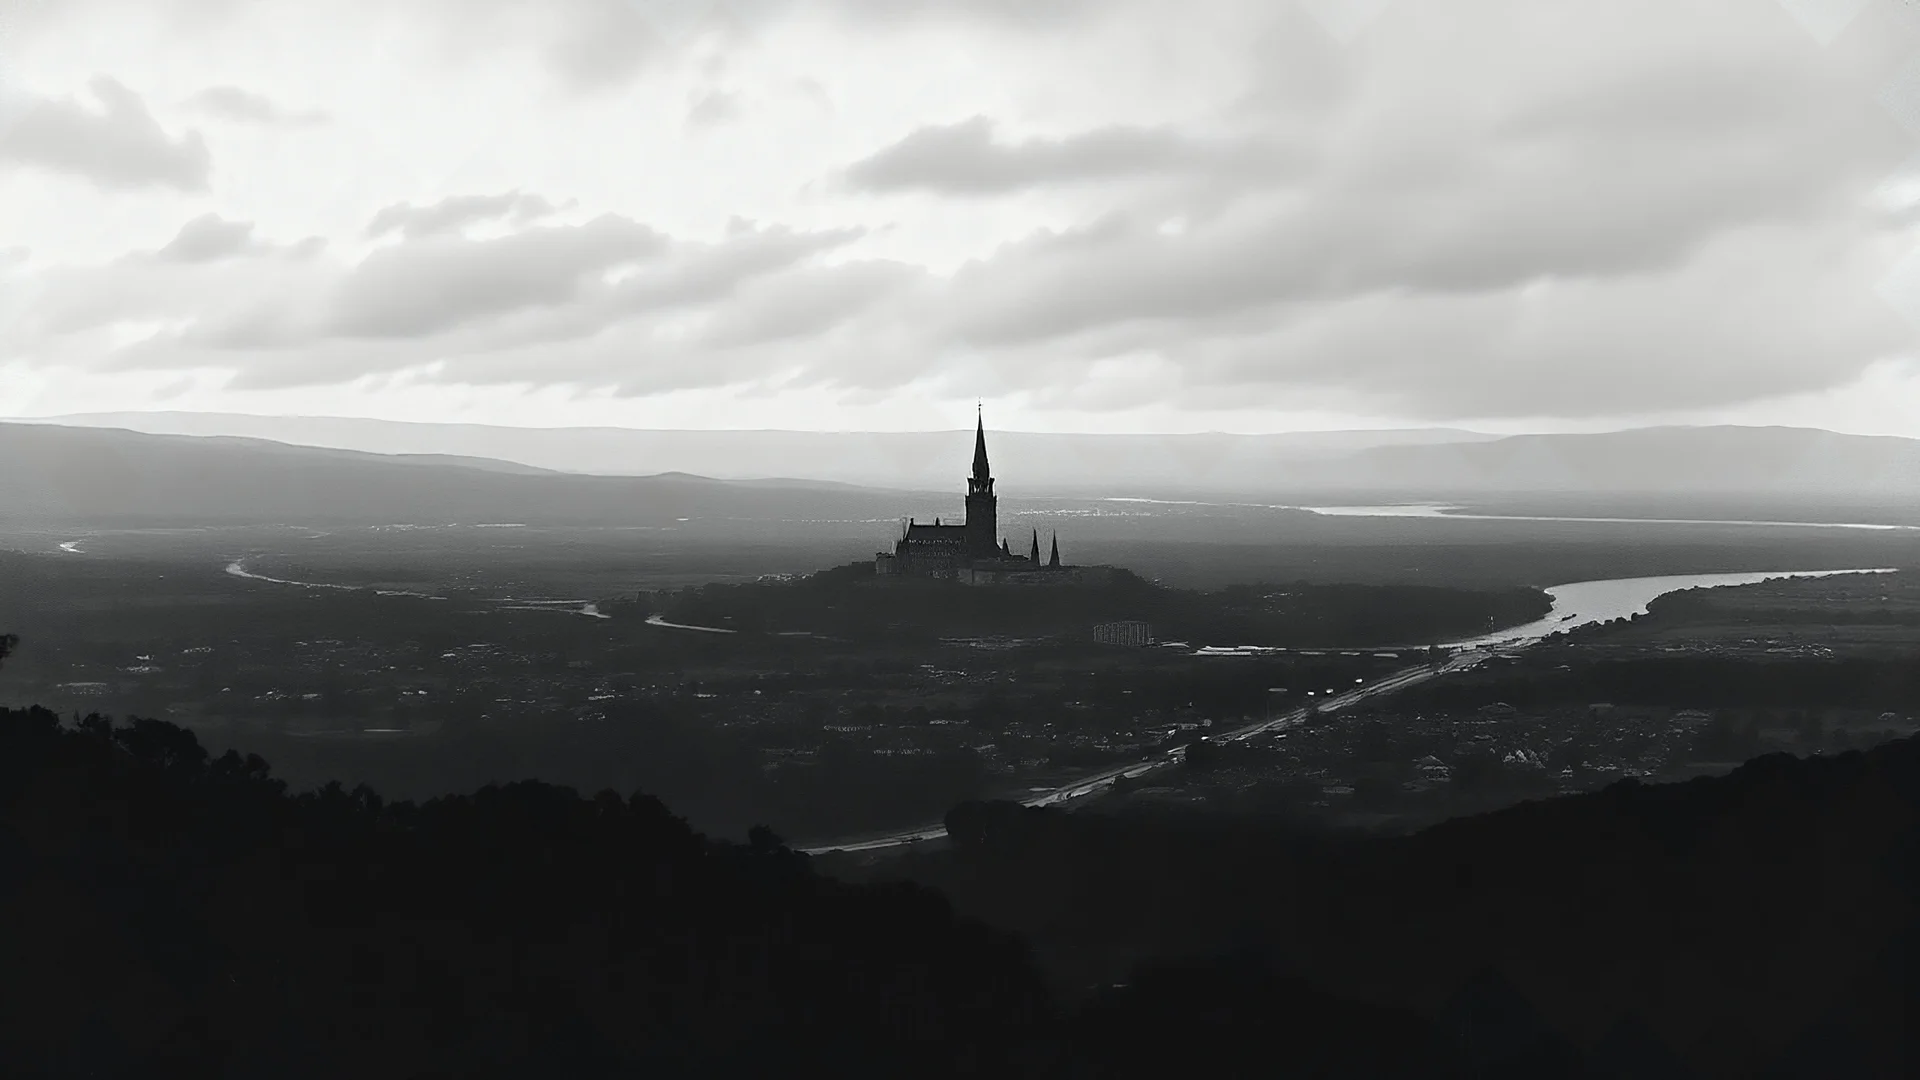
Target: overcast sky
x: 1097, y: 215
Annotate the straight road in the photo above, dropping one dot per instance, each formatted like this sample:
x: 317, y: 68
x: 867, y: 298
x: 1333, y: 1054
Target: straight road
x: 1087, y: 785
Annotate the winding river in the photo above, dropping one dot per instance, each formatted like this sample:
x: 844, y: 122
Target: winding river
x: 238, y: 568
x: 1583, y: 603
x: 1575, y: 604
x: 1579, y: 603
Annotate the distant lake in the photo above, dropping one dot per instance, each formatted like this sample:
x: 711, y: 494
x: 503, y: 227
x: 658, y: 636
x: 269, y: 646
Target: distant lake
x: 1443, y: 510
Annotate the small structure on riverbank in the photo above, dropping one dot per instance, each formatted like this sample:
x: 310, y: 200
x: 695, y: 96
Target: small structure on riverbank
x: 1131, y: 632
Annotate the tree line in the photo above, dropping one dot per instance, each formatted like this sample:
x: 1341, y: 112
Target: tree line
x: 849, y: 602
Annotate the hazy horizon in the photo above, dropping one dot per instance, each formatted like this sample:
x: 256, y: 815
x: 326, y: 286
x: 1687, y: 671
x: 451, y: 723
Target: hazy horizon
x: 1786, y: 470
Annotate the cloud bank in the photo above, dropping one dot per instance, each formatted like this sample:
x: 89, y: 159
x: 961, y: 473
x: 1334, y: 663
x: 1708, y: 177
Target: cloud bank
x: 1566, y: 208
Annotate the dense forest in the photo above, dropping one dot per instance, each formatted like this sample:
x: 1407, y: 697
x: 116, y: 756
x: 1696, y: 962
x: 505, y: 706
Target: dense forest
x: 174, y: 913
x: 1759, y: 924
x: 712, y: 775
x: 850, y: 602
x: 180, y: 915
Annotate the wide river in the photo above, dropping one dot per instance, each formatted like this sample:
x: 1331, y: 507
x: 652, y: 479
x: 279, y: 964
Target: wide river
x: 1582, y: 603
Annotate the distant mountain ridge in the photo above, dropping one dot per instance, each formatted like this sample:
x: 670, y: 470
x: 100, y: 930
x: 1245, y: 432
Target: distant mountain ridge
x: 103, y: 475
x: 927, y: 460
x: 1760, y: 461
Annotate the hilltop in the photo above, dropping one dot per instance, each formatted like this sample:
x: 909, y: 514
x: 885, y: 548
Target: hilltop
x: 849, y: 602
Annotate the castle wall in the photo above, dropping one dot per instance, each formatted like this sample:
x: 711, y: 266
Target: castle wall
x: 1027, y: 575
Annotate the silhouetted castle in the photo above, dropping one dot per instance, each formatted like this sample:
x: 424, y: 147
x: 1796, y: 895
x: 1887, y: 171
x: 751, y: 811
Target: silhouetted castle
x: 968, y: 552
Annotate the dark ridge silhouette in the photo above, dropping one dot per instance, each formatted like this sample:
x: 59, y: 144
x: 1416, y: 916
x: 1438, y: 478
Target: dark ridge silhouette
x: 1759, y: 923
x: 176, y: 914
x: 187, y: 914
x: 172, y: 913
x: 1631, y: 1051
x: 1496, y: 1028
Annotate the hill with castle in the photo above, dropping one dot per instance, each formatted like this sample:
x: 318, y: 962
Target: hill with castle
x: 971, y: 552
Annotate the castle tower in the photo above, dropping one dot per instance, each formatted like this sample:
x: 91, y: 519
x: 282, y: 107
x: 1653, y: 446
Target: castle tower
x: 982, y: 505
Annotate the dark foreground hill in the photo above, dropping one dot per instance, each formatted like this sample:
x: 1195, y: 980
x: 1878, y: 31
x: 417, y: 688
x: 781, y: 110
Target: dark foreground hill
x: 169, y: 915
x: 1757, y: 924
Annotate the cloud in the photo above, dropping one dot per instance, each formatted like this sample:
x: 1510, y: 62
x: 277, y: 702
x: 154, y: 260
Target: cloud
x: 117, y: 146
x: 1564, y: 208
x: 456, y: 212
x: 546, y: 304
x: 802, y: 307
x: 211, y: 238
x: 605, y: 41
x: 964, y: 159
x: 247, y: 107
x: 1541, y: 233
x: 1016, y: 14
x: 712, y: 108
x: 438, y: 283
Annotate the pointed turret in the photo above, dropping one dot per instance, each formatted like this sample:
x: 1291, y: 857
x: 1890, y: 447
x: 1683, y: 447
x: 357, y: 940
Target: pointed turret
x: 1055, y: 560
x: 1034, y: 558
x: 980, y: 472
x: 982, y: 507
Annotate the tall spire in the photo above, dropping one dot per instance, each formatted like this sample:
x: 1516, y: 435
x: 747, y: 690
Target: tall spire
x: 1035, y: 557
x: 1055, y: 560
x: 979, y: 445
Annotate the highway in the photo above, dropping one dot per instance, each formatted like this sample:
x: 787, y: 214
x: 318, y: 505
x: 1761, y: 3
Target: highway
x: 1087, y: 785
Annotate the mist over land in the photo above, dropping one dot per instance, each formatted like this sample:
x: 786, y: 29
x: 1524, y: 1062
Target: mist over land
x: 1734, y: 469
